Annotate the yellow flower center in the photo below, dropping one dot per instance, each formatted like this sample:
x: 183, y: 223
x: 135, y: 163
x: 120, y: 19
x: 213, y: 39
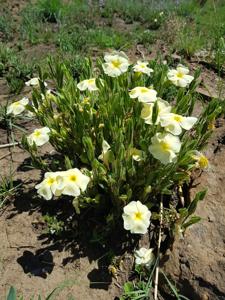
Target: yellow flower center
x: 165, y: 146
x: 116, y: 63
x: 203, y: 162
x: 211, y: 126
x: 180, y: 75
x: 16, y: 103
x: 86, y: 100
x: 144, y: 90
x: 37, y: 133
x: 178, y: 118
x: 90, y: 81
x: 50, y: 181
x: 73, y: 178
x: 146, y: 111
x: 138, y: 216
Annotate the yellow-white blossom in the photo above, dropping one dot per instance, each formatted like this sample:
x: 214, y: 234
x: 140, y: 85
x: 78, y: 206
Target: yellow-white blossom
x: 104, y: 156
x: 147, y: 110
x: 136, y: 217
x: 136, y: 154
x: 174, y: 123
x: 33, y: 82
x: 72, y: 182
x: 142, y: 67
x: 87, y: 84
x: 201, y: 160
x: 39, y: 136
x: 161, y: 13
x: 144, y: 257
x: 143, y: 94
x: 164, y: 147
x: 179, y: 76
x: 49, y: 186
x: 115, y: 64
x: 17, y: 107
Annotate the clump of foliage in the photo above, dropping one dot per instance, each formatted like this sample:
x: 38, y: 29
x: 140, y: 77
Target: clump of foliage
x: 7, y: 189
x: 50, y: 10
x: 118, y: 149
x: 202, y: 28
x: 6, y: 27
x: 14, y: 69
x: 13, y: 294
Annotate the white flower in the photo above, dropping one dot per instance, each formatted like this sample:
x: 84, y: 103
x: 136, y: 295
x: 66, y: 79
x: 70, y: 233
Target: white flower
x: 17, y: 107
x: 72, y: 182
x: 144, y: 257
x: 142, y: 67
x: 49, y: 186
x: 136, y: 154
x: 136, y: 217
x: 164, y: 147
x: 87, y: 84
x: 201, y: 160
x: 174, y: 123
x: 39, y: 136
x: 104, y: 156
x: 115, y: 64
x: 34, y: 81
x: 155, y: 20
x: 143, y: 94
x: 147, y: 110
x: 180, y: 77
x: 161, y: 13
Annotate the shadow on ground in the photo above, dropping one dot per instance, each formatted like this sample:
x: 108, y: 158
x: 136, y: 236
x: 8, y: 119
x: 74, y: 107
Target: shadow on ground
x: 80, y: 236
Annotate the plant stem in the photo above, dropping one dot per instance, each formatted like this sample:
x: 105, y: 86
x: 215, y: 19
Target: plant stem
x: 158, y: 250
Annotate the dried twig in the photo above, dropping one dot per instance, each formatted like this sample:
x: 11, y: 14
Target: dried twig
x: 158, y: 250
x: 9, y: 145
x: 5, y: 155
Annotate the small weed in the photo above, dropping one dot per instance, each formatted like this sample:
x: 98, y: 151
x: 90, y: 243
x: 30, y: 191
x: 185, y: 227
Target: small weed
x: 6, y: 27
x: 14, y: 69
x: 146, y: 37
x: 76, y: 65
x: 187, y: 43
x: 17, y: 75
x: 12, y: 295
x: 107, y: 38
x: 72, y: 39
x: 54, y: 225
x: 143, y: 287
x: 199, y: 28
x: 7, y: 188
x: 49, y: 10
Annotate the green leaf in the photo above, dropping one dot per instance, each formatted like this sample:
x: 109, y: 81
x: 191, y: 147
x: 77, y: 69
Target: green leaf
x: 155, y: 112
x: 193, y: 220
x: 128, y: 287
x: 12, y: 294
x: 193, y: 205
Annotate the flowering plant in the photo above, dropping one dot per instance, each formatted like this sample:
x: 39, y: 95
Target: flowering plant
x: 127, y: 135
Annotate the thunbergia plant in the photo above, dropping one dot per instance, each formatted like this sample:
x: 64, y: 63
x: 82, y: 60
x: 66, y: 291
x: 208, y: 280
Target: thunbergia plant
x: 127, y: 140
